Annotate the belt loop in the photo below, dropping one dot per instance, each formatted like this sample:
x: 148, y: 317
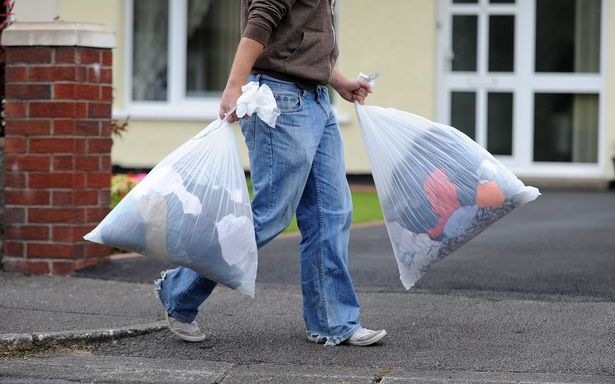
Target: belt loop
x: 317, y: 93
x: 258, y: 78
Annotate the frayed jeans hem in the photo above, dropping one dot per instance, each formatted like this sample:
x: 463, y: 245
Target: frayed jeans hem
x: 334, y: 340
x: 165, y: 306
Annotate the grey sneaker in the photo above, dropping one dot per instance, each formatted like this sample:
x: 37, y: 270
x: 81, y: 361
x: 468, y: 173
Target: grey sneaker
x: 360, y: 338
x: 364, y: 336
x: 185, y: 331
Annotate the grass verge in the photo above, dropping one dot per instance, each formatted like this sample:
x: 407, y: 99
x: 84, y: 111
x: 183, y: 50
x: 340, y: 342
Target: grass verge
x: 365, y: 205
x: 365, y: 208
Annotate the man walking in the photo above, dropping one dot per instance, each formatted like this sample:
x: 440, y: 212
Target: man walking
x: 296, y: 167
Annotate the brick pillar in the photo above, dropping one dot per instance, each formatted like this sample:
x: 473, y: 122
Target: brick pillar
x: 57, y: 145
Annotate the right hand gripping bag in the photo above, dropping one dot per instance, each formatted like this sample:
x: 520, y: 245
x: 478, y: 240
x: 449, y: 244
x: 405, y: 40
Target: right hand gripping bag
x: 437, y: 187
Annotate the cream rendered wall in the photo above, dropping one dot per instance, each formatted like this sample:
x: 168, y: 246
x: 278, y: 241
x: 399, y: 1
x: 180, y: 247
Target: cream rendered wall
x: 36, y: 10
x: 147, y: 142
x: 396, y: 38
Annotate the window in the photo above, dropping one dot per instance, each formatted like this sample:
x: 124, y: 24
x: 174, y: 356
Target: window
x: 567, y: 42
x: 566, y: 127
x: 180, y: 55
x: 212, y: 37
x: 568, y: 36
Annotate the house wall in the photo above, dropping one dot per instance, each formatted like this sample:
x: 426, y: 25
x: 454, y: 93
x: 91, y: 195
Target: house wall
x: 146, y: 141
x: 401, y: 45
x: 406, y: 65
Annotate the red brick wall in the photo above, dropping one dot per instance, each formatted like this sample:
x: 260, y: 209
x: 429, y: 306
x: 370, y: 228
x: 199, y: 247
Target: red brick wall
x: 57, y: 156
x: 1, y: 149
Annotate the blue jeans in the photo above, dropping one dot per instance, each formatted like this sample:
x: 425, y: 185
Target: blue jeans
x: 296, y: 167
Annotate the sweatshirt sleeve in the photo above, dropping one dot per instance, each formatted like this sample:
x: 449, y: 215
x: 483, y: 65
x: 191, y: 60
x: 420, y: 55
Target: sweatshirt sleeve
x: 264, y: 17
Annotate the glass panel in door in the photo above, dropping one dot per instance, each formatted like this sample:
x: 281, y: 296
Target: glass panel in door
x: 212, y: 31
x: 463, y: 112
x: 568, y: 35
x: 500, y: 123
x: 501, y: 43
x: 464, y: 42
x: 566, y: 127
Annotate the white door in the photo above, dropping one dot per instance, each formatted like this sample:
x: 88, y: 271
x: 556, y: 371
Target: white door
x: 524, y: 79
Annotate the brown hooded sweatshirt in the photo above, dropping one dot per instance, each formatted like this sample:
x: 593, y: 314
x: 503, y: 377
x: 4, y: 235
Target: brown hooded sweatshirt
x: 298, y: 36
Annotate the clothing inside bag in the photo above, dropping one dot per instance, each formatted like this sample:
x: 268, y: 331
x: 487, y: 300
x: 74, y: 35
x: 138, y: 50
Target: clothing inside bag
x: 437, y: 187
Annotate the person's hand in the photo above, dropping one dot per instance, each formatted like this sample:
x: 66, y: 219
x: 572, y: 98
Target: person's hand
x: 351, y: 89
x: 228, y: 101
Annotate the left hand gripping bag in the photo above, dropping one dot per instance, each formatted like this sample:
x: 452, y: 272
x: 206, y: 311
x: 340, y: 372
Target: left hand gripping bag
x: 193, y: 208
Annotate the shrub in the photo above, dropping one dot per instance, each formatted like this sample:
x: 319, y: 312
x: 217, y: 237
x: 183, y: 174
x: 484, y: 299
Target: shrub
x: 121, y: 184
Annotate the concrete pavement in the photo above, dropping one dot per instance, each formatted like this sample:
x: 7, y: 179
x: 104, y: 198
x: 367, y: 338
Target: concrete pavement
x: 38, y: 311
x: 571, y: 340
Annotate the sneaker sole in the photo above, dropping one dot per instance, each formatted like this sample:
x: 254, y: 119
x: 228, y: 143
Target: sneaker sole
x: 371, y: 341
x: 193, y: 339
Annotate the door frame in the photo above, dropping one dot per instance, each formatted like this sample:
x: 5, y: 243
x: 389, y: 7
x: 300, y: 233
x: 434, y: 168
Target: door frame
x: 523, y: 83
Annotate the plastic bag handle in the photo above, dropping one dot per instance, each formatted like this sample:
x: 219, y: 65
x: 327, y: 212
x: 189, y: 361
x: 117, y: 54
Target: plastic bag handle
x: 226, y: 115
x: 206, y: 132
x: 371, y: 79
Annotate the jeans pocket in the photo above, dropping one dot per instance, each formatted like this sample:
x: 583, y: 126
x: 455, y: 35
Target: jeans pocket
x: 288, y: 102
x: 248, y: 128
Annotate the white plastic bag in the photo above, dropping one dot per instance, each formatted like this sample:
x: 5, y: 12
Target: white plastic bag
x: 193, y: 208
x: 437, y: 187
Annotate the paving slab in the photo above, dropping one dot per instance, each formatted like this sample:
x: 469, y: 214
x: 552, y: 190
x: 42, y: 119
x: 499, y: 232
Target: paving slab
x: 85, y: 368
x: 57, y: 369
x: 469, y: 377
x: 51, y: 304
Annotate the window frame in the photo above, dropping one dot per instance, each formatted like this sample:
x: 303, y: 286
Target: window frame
x: 178, y: 106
